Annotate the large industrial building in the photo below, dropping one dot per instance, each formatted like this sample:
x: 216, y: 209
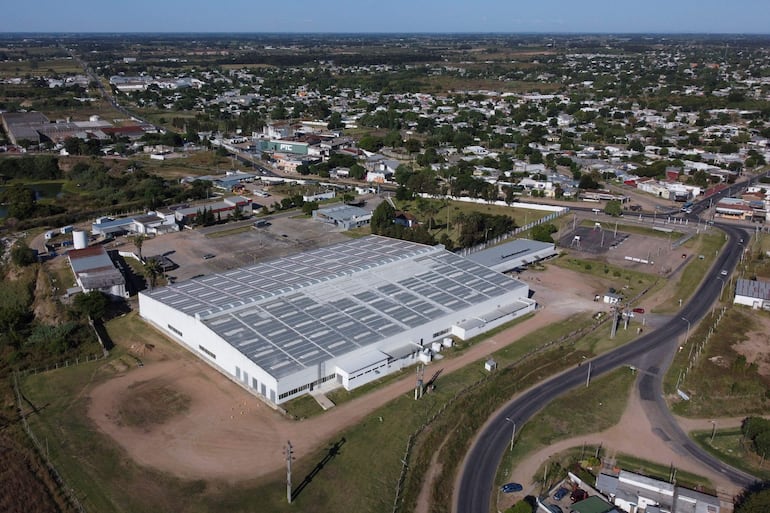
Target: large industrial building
x: 344, y: 315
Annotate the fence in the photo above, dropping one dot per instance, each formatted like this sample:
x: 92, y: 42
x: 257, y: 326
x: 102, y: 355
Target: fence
x: 55, y: 475
x: 65, y: 363
x: 697, y: 349
x: 520, y: 229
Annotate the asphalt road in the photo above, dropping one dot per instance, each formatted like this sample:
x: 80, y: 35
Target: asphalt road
x: 652, y: 352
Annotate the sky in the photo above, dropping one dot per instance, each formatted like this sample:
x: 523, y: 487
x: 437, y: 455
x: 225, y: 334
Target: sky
x: 382, y: 16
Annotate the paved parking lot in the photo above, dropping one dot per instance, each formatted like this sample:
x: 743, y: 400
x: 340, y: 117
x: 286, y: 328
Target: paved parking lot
x: 286, y: 234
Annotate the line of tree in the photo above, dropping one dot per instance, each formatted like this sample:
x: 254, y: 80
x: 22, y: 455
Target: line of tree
x: 38, y: 167
x: 757, y: 431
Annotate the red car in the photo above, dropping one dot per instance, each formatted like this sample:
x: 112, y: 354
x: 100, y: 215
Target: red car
x: 638, y: 310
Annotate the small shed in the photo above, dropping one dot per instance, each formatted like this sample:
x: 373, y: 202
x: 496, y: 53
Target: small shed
x: 612, y: 299
x: 490, y: 365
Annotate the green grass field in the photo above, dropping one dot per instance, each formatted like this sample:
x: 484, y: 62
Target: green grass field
x: 707, y: 244
x: 728, y: 445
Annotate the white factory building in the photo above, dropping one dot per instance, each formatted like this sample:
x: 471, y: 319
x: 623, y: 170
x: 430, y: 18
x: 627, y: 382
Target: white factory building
x: 343, y: 315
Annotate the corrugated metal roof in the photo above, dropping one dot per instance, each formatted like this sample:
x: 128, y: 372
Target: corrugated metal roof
x: 300, y: 310
x: 753, y: 289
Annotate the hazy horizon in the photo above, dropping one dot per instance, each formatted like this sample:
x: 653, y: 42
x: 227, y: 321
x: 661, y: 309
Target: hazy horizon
x: 741, y: 17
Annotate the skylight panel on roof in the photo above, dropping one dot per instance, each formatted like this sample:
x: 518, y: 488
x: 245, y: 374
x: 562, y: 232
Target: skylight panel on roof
x: 309, y: 354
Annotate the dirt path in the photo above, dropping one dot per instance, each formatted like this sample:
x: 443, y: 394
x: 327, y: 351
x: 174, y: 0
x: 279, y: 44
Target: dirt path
x: 224, y: 426
x: 632, y: 435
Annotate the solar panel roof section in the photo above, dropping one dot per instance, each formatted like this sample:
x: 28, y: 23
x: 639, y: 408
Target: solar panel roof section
x: 297, y: 311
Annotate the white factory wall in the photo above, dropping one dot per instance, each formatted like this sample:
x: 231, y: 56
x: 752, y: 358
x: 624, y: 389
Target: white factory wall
x: 236, y: 366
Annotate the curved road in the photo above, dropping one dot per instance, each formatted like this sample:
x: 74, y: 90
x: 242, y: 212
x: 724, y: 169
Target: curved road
x: 652, y: 352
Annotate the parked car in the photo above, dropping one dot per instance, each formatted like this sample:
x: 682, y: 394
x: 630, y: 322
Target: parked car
x: 638, y: 310
x: 208, y: 256
x: 560, y: 493
x: 511, y: 488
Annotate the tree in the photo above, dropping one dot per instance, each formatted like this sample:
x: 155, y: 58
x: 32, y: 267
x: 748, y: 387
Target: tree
x: 91, y: 304
x: 755, y: 499
x: 542, y: 232
x: 335, y: 121
x: 357, y: 171
x: 152, y: 270
x: 370, y: 143
x: 393, y: 139
x: 138, y: 241
x: 308, y: 207
x: 613, y: 208
x: 412, y: 145
x: 521, y: 507
x: 22, y: 255
x: 382, y: 218
x: 587, y: 181
x: 21, y: 201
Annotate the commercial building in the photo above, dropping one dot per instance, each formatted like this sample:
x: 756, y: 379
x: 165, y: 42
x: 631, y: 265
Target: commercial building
x: 94, y: 270
x: 222, y: 209
x: 346, y: 217
x: 283, y: 146
x: 151, y: 223
x: 343, y: 315
x: 632, y: 493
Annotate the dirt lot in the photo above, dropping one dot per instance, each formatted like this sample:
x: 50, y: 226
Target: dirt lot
x: 222, y: 426
x: 756, y: 347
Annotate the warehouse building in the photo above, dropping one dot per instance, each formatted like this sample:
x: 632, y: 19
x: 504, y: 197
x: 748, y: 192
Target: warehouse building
x: 343, y: 315
x: 94, y: 270
x: 514, y: 255
x: 346, y: 217
x: 753, y: 293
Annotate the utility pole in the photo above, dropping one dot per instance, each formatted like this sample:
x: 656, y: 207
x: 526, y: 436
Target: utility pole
x: 614, y: 326
x: 513, y: 432
x: 289, y: 453
x: 588, y: 376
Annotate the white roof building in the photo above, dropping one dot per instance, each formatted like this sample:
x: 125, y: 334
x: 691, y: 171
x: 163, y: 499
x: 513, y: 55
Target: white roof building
x: 343, y: 315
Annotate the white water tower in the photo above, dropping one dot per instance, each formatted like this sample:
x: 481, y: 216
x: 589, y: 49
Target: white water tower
x: 80, y: 239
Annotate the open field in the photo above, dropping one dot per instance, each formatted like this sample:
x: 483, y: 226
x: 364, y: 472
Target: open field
x: 728, y: 445
x: 731, y: 375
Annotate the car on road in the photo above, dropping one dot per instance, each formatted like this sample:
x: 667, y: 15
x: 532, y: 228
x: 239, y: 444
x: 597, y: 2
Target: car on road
x: 723, y: 272
x: 511, y: 488
x: 638, y: 310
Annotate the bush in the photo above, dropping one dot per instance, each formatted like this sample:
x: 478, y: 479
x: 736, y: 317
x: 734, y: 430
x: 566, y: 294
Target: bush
x: 521, y: 507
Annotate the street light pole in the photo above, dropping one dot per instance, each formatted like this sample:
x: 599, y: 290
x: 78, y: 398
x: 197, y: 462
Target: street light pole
x: 513, y: 432
x: 687, y: 333
x: 713, y: 429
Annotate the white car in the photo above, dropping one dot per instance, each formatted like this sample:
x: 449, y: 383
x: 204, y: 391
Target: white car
x: 723, y: 272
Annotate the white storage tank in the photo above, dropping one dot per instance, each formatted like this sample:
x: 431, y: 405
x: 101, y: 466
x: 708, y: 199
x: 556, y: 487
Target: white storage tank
x: 80, y: 239
x: 436, y: 347
x: 448, y: 342
x: 425, y: 356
